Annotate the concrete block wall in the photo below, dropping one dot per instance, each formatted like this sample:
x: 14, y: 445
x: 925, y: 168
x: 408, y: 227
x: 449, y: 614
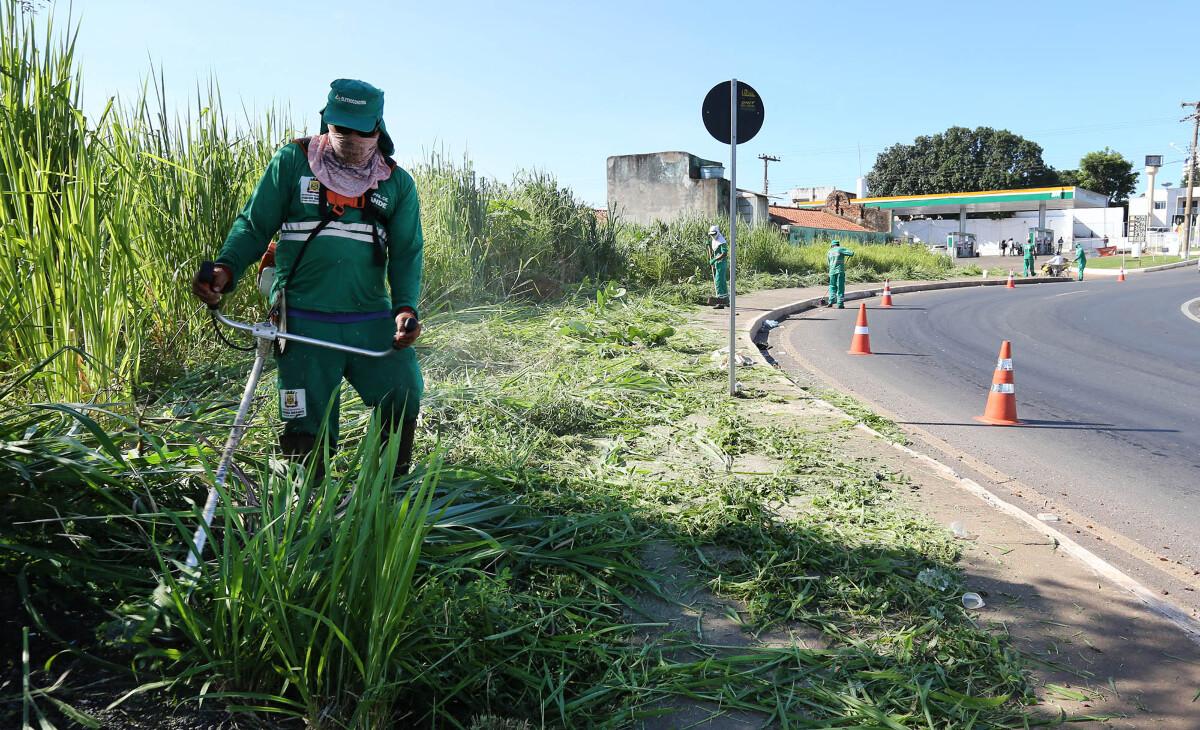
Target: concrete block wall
x: 661, y: 186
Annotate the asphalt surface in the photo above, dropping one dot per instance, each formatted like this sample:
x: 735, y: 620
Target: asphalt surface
x: 1107, y: 383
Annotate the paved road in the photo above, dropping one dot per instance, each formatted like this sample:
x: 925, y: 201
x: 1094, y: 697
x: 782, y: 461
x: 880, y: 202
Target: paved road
x: 1107, y: 379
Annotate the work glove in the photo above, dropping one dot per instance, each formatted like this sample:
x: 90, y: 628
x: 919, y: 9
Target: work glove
x: 408, y: 329
x: 210, y: 292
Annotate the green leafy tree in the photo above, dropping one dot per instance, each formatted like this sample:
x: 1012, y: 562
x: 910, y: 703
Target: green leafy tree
x: 960, y: 160
x: 1108, y: 173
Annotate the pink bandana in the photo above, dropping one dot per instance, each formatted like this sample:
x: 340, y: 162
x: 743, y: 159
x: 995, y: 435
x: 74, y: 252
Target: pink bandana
x: 351, y: 181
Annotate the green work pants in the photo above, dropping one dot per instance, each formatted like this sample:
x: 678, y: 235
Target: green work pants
x: 837, y: 287
x: 721, y: 278
x: 310, y: 377
x: 1029, y: 267
x: 1082, y: 266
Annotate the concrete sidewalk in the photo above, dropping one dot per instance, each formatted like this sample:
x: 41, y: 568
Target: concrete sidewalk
x: 1096, y: 649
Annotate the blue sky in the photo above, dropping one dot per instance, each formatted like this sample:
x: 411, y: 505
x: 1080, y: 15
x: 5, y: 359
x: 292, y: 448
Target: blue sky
x: 560, y: 86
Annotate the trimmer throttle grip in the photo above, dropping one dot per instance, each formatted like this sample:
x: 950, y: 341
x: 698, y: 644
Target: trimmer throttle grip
x: 410, y: 324
x: 208, y: 270
x: 207, y: 275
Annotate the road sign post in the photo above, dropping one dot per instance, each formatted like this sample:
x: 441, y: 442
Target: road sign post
x: 733, y: 203
x: 746, y: 112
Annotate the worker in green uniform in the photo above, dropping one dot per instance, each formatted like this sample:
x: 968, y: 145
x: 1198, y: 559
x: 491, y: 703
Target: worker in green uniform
x: 1029, y: 260
x: 1080, y: 260
x: 837, y: 274
x: 348, y: 270
x: 718, y: 258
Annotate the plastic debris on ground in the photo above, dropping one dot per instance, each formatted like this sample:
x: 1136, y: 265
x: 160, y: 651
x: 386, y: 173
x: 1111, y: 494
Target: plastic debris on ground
x: 740, y: 358
x: 960, y: 531
x: 1048, y: 517
x: 936, y: 578
x: 972, y: 601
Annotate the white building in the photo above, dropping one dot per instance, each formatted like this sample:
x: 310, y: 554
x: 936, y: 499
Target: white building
x: 1169, y: 206
x: 1089, y: 226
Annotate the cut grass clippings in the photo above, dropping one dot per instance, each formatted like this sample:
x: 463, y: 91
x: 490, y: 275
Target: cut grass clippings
x: 556, y: 445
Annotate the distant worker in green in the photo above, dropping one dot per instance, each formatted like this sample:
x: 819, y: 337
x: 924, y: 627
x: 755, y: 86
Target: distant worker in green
x: 1080, y: 260
x: 718, y: 258
x: 837, y: 274
x: 1029, y: 259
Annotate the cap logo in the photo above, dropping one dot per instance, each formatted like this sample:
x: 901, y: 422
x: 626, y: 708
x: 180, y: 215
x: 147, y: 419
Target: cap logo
x: 348, y: 100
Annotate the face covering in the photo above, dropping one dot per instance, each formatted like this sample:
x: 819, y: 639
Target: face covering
x: 334, y: 168
x: 352, y: 150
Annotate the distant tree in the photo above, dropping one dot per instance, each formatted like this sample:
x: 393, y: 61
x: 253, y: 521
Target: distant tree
x: 1108, y: 173
x: 1194, y: 171
x: 1068, y: 177
x: 960, y: 160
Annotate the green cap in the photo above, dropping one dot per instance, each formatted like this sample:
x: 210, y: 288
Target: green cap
x: 357, y: 105
x: 834, y: 242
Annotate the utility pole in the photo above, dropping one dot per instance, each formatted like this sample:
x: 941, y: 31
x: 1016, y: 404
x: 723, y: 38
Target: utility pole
x: 1191, y: 170
x: 767, y: 159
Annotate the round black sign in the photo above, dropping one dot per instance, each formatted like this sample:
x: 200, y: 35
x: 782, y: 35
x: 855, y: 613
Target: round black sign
x: 716, y: 112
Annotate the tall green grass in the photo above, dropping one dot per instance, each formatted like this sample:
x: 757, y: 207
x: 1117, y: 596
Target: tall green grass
x: 678, y: 251
x: 108, y: 216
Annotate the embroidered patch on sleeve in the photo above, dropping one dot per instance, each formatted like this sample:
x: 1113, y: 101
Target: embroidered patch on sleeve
x: 291, y: 404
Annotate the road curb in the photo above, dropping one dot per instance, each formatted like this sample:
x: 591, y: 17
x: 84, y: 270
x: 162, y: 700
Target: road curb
x: 756, y: 331
x: 1099, y: 565
x: 1148, y: 270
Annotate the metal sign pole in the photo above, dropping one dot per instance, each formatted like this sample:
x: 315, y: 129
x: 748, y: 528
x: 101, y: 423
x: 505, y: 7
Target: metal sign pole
x: 733, y: 201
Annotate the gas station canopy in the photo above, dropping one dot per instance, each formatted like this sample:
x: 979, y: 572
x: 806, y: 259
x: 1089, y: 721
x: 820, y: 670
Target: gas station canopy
x: 987, y: 201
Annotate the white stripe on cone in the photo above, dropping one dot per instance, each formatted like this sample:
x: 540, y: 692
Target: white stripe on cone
x: 1005, y: 364
x: 1004, y: 388
x: 861, y: 330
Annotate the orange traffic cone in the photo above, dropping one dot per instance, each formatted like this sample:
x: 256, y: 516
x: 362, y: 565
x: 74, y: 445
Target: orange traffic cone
x: 861, y: 344
x: 887, y: 294
x: 1001, y: 409
x: 1010, y: 284
x: 1121, y: 276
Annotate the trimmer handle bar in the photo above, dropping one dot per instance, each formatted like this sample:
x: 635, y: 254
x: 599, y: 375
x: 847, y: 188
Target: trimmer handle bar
x: 268, y: 331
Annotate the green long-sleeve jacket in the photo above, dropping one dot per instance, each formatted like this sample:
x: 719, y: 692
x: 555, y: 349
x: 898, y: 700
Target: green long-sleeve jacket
x: 338, y: 272
x: 837, y: 259
x: 1080, y: 256
x: 718, y: 255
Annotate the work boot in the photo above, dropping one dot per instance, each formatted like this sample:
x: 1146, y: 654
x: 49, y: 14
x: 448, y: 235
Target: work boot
x: 408, y: 431
x: 302, y: 449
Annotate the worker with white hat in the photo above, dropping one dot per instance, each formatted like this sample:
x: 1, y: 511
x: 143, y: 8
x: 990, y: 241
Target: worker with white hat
x: 718, y: 258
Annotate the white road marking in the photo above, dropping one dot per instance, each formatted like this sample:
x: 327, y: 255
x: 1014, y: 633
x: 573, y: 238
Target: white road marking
x: 1067, y: 294
x: 1186, y: 308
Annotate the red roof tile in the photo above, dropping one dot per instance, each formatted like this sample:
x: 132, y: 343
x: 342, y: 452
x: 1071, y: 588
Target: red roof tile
x: 813, y: 219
